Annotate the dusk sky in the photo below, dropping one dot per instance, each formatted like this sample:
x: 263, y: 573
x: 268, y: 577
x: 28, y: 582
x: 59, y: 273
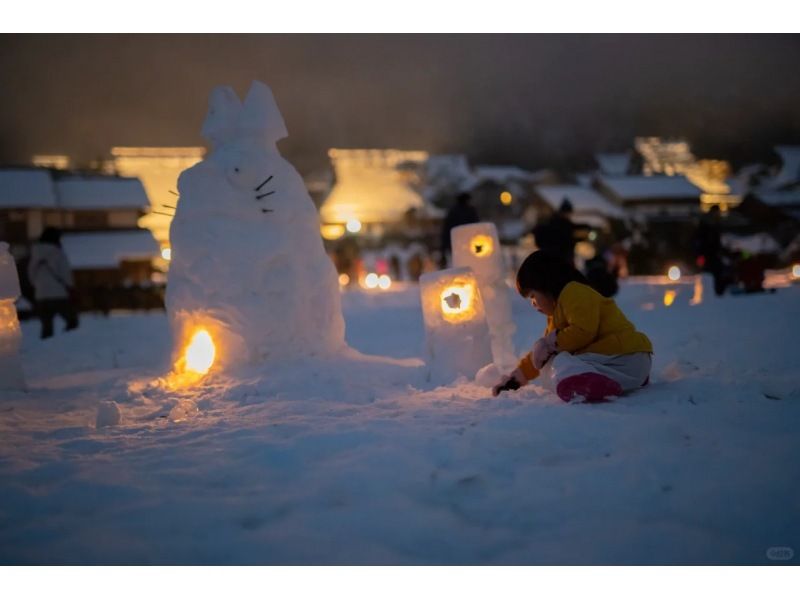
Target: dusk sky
x: 533, y: 100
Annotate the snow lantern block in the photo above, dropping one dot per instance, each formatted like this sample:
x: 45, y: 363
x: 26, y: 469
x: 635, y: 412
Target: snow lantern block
x: 11, y: 377
x: 477, y: 246
x: 456, y: 333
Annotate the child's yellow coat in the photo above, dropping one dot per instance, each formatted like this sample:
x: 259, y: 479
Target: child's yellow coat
x: 587, y: 322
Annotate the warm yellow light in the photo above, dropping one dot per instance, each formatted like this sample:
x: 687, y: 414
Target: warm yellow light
x: 384, y: 282
x: 796, y: 271
x: 506, y: 198
x: 697, y: 297
x: 200, y: 353
x: 353, y: 225
x: 344, y: 280
x: 456, y: 301
x: 371, y: 281
x: 669, y: 297
x: 481, y: 245
x: 674, y: 273
x: 166, y: 253
x: 331, y: 232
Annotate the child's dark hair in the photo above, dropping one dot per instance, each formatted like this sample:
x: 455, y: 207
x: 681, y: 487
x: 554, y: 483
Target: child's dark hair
x: 546, y: 272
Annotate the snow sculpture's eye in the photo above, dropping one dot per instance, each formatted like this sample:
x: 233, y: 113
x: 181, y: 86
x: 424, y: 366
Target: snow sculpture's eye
x: 236, y: 177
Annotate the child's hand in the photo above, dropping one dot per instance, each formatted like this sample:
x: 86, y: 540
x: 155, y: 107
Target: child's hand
x: 513, y: 381
x: 543, y: 349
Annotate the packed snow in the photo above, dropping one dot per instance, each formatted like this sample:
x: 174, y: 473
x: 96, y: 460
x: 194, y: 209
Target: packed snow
x: 315, y: 463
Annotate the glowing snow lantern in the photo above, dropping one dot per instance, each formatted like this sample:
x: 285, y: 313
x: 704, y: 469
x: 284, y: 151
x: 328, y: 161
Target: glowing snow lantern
x: 11, y: 377
x: 344, y: 280
x: 384, y: 282
x: 477, y: 246
x: 669, y: 297
x: 506, y: 198
x: 200, y: 353
x: 456, y: 333
x: 372, y: 280
x: 697, y: 297
x: 674, y: 273
x: 796, y: 271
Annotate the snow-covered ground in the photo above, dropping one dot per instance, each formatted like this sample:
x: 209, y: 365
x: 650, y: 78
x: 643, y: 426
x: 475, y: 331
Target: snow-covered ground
x: 359, y: 462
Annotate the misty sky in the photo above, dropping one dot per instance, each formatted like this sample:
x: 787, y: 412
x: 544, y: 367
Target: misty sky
x: 534, y: 100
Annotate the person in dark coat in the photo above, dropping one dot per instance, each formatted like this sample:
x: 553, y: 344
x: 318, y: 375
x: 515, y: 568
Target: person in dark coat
x: 463, y: 212
x: 710, y: 252
x: 557, y: 235
x: 51, y: 277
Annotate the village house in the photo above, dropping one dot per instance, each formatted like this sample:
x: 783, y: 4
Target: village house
x: 99, y: 215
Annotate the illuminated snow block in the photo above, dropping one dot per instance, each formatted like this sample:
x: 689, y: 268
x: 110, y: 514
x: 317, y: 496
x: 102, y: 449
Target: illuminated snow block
x: 456, y: 334
x: 477, y: 246
x: 11, y: 377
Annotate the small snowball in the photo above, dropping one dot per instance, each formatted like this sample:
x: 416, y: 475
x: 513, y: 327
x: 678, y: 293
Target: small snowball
x: 108, y: 414
x: 488, y: 375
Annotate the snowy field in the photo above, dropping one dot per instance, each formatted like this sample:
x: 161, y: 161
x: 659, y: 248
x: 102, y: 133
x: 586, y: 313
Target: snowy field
x: 326, y: 464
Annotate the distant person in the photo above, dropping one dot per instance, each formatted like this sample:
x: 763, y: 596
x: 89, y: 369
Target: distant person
x: 51, y: 277
x: 710, y: 252
x: 463, y: 212
x: 558, y: 234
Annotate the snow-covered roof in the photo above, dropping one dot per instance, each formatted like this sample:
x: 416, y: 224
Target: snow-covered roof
x: 779, y: 199
x: 107, y: 249
x: 450, y: 166
x: 631, y: 188
x: 26, y: 188
x: 583, y: 199
x: 613, y: 164
x: 790, y: 168
x: 503, y: 174
x: 92, y: 192
x: 758, y: 243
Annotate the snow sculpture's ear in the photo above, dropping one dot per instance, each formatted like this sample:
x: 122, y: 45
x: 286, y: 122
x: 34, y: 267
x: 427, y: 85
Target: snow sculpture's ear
x: 260, y: 116
x: 224, y: 109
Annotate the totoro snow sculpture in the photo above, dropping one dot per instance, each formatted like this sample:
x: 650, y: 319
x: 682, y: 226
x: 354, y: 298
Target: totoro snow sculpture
x: 249, y: 276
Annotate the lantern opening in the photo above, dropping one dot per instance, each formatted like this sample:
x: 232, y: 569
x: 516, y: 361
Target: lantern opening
x: 481, y: 245
x: 456, y: 301
x: 200, y: 353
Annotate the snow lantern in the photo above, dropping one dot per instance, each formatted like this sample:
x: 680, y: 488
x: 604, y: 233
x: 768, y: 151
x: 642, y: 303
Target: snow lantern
x: 477, y: 246
x: 457, y: 336
x: 11, y: 377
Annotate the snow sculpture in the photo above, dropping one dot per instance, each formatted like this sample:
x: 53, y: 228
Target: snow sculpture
x: 11, y: 377
x: 477, y: 246
x: 457, y: 337
x: 249, y: 279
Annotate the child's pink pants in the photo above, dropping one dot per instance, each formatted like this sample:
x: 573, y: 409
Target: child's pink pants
x: 595, y: 376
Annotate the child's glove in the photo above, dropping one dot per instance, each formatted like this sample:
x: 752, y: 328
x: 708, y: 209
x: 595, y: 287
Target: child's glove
x: 513, y: 381
x: 543, y: 349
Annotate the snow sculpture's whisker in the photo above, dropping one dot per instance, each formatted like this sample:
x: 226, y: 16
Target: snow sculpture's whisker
x: 264, y: 195
x: 264, y: 183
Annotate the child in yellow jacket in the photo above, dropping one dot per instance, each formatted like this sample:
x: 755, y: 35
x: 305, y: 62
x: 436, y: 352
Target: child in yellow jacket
x: 589, y: 348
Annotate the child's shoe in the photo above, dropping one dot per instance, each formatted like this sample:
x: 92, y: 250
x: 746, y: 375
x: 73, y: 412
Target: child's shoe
x: 591, y: 386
